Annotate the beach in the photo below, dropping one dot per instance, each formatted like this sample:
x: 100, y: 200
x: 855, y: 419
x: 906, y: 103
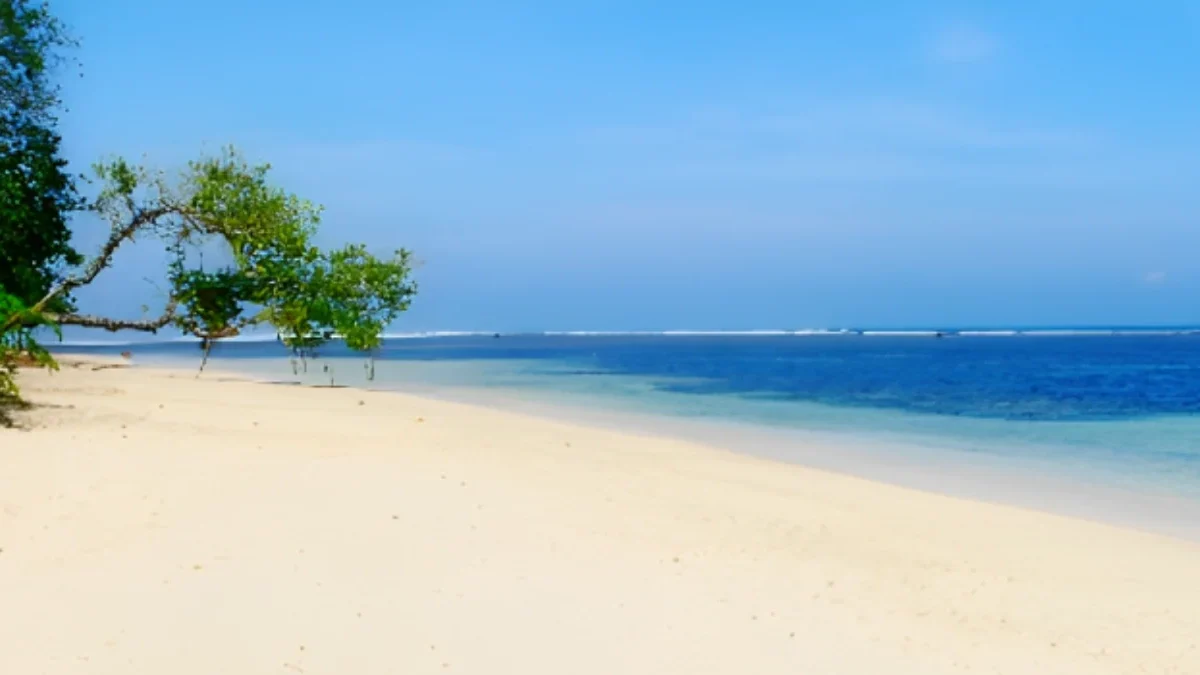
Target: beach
x: 152, y: 521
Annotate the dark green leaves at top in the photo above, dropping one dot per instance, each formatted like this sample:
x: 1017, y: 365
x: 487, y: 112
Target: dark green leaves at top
x: 36, y: 193
x: 31, y: 41
x: 232, y: 200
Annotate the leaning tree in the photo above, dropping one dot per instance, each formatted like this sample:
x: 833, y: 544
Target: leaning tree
x: 271, y: 272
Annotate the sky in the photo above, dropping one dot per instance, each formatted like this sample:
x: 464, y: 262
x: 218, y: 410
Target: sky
x: 620, y: 165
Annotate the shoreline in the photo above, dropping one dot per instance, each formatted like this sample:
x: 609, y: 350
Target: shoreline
x: 901, y: 462
x: 223, y: 525
x: 945, y: 471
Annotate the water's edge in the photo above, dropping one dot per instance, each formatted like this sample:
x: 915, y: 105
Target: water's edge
x: 922, y: 467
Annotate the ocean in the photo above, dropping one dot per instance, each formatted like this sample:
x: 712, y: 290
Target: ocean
x: 1101, y: 424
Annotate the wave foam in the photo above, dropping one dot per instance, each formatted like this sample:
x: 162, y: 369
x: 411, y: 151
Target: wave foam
x: 803, y: 332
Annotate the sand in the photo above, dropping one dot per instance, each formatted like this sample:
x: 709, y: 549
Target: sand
x: 152, y: 522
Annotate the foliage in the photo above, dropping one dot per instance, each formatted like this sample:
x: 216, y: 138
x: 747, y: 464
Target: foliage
x: 17, y: 347
x: 36, y: 196
x: 272, y: 273
x: 31, y: 40
x: 269, y: 269
x: 36, y: 193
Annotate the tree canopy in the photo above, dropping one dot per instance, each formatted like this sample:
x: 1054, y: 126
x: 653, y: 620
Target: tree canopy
x: 36, y: 192
x: 270, y: 273
x: 241, y: 250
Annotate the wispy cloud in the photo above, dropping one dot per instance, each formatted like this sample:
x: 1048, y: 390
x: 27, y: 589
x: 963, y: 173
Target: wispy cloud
x: 871, y: 139
x: 871, y: 121
x: 913, y: 123
x: 961, y: 43
x: 375, y: 151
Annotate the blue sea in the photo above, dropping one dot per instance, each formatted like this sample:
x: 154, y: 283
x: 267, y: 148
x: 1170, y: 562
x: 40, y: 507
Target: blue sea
x: 1102, y: 423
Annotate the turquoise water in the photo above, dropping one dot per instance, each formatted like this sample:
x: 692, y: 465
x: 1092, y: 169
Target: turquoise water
x: 1160, y: 453
x: 1099, y: 426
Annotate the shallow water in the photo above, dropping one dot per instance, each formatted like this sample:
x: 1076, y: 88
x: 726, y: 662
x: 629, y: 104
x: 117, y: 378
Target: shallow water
x: 1111, y: 421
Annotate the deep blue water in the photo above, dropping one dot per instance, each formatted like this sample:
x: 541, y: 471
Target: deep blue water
x: 1031, y: 378
x: 1115, y: 410
x: 1020, y: 378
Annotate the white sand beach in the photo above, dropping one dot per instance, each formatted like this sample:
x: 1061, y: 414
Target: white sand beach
x: 152, y: 522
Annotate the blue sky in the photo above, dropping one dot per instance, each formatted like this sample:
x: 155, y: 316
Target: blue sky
x: 633, y: 165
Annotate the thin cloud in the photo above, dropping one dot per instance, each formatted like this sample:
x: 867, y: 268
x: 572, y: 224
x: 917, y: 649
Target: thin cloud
x: 847, y: 140
x: 928, y: 125
x: 887, y: 142
x: 876, y: 122
x: 962, y: 43
x: 376, y: 151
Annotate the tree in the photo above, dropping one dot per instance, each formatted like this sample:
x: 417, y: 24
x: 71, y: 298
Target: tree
x: 36, y: 192
x: 271, y: 272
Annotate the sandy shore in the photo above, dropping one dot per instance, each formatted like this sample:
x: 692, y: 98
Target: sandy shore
x: 154, y: 523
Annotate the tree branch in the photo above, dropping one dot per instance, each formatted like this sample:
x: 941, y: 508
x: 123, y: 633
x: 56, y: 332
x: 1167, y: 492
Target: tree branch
x: 102, y: 260
x: 114, y: 325
x: 227, y: 332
